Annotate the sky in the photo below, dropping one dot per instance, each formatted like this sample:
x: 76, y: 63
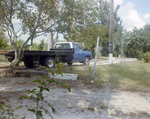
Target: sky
x: 134, y: 13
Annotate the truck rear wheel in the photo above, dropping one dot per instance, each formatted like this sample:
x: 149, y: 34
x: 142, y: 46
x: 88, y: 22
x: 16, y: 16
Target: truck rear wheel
x: 69, y: 63
x: 28, y: 64
x: 86, y: 61
x: 49, y: 62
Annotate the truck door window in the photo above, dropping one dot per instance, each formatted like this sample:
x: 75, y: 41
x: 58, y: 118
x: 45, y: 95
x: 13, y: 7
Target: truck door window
x: 76, y: 47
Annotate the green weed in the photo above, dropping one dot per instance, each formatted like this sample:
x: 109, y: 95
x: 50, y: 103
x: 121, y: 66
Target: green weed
x: 36, y: 94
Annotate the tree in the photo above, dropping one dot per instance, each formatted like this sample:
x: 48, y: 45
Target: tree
x: 33, y: 16
x: 3, y: 39
x: 90, y: 20
x: 146, y: 47
x: 138, y: 42
x: 42, y: 45
x: 34, y: 46
x: 79, y: 17
x: 75, y: 14
x: 118, y: 34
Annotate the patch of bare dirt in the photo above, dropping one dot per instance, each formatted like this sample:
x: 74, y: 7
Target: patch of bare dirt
x: 85, y: 101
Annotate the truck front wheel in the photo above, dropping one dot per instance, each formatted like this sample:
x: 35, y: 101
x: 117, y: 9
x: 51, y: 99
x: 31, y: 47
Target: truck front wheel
x: 86, y: 61
x: 49, y: 62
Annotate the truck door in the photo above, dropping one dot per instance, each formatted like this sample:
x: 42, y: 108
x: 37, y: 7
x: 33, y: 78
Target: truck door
x: 78, y: 53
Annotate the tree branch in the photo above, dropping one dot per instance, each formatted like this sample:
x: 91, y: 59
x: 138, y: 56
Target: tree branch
x: 20, y: 35
x: 9, y: 32
x: 3, y: 12
x: 19, y: 30
x: 48, y: 29
x: 30, y: 44
x: 11, y: 10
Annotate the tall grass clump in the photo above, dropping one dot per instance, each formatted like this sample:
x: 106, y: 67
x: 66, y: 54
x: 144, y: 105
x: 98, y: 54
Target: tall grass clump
x: 128, y: 75
x: 131, y: 75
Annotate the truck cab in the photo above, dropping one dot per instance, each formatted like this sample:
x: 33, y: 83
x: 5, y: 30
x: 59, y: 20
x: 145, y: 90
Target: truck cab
x: 79, y: 54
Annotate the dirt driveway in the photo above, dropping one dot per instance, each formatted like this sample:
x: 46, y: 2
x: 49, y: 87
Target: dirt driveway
x: 84, y: 101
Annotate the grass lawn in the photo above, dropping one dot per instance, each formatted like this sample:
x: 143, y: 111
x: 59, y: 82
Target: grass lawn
x: 134, y: 76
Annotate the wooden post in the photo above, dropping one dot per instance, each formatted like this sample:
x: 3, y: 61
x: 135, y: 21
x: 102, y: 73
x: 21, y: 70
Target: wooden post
x: 96, y: 56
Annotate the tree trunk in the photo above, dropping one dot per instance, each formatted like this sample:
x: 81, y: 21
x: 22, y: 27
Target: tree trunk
x: 14, y: 43
x: 14, y: 64
x: 16, y: 59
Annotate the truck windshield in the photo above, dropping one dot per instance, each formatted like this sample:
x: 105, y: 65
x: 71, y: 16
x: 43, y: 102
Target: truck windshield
x: 62, y: 46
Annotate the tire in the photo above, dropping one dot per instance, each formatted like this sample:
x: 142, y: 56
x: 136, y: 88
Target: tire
x: 49, y: 62
x: 69, y: 63
x: 28, y: 64
x: 86, y: 61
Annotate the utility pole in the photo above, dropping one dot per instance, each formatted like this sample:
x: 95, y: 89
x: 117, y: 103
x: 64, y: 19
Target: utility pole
x: 49, y: 41
x: 111, y: 32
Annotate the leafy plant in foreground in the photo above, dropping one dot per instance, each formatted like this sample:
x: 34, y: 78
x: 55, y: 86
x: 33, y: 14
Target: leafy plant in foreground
x: 36, y: 94
x: 6, y: 112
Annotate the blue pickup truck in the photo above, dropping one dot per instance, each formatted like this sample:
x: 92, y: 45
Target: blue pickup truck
x: 79, y: 54
x: 67, y: 52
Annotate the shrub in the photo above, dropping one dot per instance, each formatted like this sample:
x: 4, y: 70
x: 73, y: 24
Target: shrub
x: 146, y: 57
x: 139, y: 55
x: 7, y: 112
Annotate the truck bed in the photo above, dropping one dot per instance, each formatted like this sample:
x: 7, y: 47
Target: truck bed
x: 62, y: 55
x: 51, y: 52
